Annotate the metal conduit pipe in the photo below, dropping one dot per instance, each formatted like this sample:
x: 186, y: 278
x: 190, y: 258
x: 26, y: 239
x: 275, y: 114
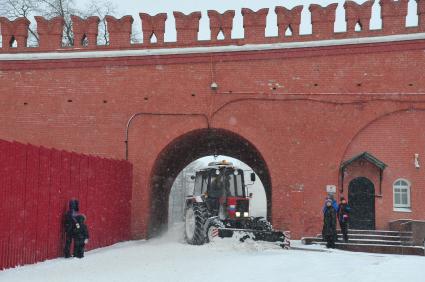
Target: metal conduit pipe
x: 158, y: 114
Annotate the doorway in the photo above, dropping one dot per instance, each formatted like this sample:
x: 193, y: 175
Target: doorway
x: 361, y: 198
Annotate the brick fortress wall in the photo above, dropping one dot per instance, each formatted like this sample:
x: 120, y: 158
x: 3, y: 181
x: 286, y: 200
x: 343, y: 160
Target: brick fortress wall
x: 305, y: 102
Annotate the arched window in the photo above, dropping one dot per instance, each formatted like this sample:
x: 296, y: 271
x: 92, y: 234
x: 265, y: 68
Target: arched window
x: 401, y: 190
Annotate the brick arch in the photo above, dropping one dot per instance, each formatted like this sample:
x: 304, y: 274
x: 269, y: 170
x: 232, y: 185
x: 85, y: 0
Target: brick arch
x: 370, y: 123
x: 189, y: 147
x: 393, y: 138
x: 350, y: 152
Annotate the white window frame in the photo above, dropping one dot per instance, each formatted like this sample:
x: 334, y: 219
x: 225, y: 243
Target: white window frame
x: 402, y: 207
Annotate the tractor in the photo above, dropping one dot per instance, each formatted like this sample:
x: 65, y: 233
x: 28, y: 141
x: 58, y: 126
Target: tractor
x: 219, y: 208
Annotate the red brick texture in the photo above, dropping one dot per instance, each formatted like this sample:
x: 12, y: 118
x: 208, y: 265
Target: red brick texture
x: 16, y: 30
x: 358, y: 14
x: 300, y: 112
x: 50, y: 32
x: 221, y: 22
x: 153, y: 25
x: 323, y: 19
x: 85, y: 29
x: 187, y: 27
x: 119, y: 31
x: 421, y: 14
x: 289, y: 19
x: 394, y: 139
x: 254, y: 24
x: 393, y: 14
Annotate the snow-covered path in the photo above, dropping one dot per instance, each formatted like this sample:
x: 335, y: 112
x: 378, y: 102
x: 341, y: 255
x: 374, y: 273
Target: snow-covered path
x: 169, y: 259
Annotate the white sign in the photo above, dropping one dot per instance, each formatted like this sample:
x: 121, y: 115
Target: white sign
x: 331, y: 188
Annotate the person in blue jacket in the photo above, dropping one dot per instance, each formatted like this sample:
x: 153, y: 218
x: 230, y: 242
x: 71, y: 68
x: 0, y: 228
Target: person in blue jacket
x: 343, y: 218
x: 334, y: 203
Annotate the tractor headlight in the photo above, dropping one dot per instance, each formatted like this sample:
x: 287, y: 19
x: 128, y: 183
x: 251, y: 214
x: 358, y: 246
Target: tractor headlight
x: 237, y: 214
x: 245, y: 214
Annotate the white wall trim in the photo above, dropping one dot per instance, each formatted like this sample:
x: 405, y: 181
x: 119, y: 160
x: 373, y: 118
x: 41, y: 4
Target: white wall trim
x: 402, y: 209
x: 64, y: 55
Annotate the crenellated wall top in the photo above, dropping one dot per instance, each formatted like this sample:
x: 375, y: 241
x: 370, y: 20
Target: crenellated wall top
x: 357, y: 16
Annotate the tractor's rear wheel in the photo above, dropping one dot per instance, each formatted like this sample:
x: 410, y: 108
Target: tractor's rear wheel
x: 212, y: 229
x: 195, y: 218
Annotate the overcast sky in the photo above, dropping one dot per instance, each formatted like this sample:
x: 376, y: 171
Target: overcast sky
x: 133, y: 7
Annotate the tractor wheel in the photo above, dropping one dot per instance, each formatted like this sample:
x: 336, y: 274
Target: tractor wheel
x: 195, y: 218
x: 212, y: 229
x: 262, y: 224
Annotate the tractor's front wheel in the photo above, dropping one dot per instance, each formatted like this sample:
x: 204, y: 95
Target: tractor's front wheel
x: 195, y: 217
x: 212, y: 229
x: 263, y: 224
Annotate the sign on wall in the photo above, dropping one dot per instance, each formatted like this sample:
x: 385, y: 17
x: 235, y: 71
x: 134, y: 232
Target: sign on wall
x: 331, y: 189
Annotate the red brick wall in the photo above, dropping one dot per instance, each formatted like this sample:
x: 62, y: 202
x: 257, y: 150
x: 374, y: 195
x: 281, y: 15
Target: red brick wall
x: 395, y: 139
x: 301, y: 108
x: 36, y: 184
x: 302, y: 136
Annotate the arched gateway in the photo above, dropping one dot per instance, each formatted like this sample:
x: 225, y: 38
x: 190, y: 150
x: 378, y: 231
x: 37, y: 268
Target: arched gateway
x: 189, y: 147
x: 297, y: 98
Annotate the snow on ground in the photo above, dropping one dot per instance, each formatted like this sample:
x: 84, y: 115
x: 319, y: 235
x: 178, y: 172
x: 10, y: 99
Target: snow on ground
x: 169, y: 259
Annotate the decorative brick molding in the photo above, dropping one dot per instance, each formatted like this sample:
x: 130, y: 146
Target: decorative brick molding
x: 119, y: 31
x: 358, y: 14
x: 187, y: 27
x: 50, y: 32
x: 289, y: 19
x: 12, y: 31
x: 221, y: 22
x: 393, y: 14
x: 254, y: 24
x: 85, y: 29
x: 307, y: 96
x: 421, y: 14
x: 153, y: 26
x: 323, y: 20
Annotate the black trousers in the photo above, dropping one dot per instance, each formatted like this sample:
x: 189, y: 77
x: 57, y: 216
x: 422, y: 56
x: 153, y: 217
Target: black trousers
x: 344, y: 230
x: 68, y: 242
x: 330, y: 241
x: 79, y: 248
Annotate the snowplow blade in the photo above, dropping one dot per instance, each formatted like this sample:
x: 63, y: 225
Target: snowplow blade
x: 257, y: 235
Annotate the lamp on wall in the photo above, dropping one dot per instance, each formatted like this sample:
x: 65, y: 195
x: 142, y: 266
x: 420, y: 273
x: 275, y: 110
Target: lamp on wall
x: 417, y: 161
x: 214, y: 86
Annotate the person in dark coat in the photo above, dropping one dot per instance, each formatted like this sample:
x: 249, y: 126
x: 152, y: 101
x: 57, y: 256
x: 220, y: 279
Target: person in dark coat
x: 81, y: 236
x: 331, y: 197
x: 343, y: 218
x: 69, y: 223
x: 329, y: 225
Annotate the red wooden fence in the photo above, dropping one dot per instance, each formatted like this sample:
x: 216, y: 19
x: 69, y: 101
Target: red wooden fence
x: 35, y: 186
